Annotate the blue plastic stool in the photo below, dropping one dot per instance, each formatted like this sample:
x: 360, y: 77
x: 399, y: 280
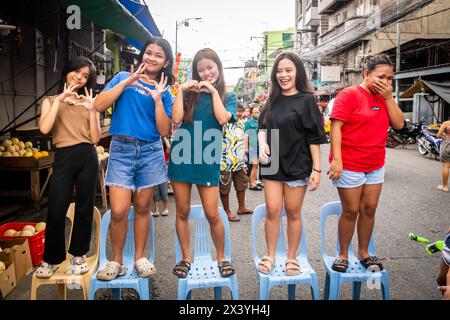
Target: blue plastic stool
x: 131, y: 279
x: 204, y: 272
x: 278, y: 275
x: 356, y: 273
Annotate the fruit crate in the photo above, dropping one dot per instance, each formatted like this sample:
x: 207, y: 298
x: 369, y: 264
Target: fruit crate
x: 36, y: 241
x: 28, y: 163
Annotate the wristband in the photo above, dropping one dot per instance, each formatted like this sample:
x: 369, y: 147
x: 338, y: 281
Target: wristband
x: 319, y: 171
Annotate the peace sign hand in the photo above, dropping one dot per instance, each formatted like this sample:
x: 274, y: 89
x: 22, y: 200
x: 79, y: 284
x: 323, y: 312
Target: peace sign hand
x: 89, y: 100
x: 138, y: 74
x: 160, y: 87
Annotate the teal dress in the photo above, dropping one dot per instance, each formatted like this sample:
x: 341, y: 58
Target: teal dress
x: 196, y: 149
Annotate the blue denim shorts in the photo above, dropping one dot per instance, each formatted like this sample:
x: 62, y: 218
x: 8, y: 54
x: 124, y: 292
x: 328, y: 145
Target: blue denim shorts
x: 135, y: 164
x: 297, y: 183
x: 353, y: 179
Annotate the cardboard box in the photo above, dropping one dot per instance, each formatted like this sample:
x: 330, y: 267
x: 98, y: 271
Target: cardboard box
x: 8, y: 277
x: 19, y: 254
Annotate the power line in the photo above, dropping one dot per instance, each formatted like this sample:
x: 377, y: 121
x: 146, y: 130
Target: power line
x: 387, y: 15
x: 425, y: 16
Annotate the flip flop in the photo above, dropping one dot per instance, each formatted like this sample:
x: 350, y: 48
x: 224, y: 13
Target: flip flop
x: 233, y: 219
x: 442, y: 188
x: 246, y: 212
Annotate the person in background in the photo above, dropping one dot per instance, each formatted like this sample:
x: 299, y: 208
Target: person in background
x: 160, y: 193
x: 444, y: 152
x: 443, y: 278
x: 233, y: 166
x: 251, y: 147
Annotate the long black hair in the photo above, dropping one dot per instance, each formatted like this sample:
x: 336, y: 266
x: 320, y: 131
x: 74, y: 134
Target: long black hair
x: 302, y: 83
x: 165, y: 45
x: 192, y: 98
x: 75, y: 64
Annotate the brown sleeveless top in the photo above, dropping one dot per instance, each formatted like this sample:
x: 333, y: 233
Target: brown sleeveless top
x: 71, y: 125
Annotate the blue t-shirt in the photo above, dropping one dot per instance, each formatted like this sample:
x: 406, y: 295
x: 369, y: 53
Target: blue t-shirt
x: 134, y: 113
x: 251, y: 128
x: 197, y: 147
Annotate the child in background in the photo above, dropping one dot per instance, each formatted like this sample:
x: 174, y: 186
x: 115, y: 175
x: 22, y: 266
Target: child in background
x: 160, y: 191
x: 443, y: 278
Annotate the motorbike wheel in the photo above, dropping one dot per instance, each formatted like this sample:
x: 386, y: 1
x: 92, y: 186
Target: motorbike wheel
x: 391, y: 142
x: 420, y: 146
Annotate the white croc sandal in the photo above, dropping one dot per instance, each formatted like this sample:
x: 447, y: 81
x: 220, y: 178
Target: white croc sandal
x: 45, y: 270
x: 111, y: 271
x: 144, y: 267
x: 78, y: 265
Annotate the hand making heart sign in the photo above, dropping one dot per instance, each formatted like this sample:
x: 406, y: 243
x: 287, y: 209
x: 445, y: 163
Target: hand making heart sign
x: 196, y: 86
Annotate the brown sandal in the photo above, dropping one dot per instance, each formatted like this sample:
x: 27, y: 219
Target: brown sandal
x: 183, y: 266
x: 226, y: 269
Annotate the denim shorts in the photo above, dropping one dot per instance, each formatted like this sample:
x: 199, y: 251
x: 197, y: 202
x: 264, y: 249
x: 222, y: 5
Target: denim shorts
x: 297, y: 183
x: 353, y: 179
x: 135, y: 164
x: 253, y: 155
x: 160, y: 192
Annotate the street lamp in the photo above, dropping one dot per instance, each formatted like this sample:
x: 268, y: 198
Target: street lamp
x: 184, y: 22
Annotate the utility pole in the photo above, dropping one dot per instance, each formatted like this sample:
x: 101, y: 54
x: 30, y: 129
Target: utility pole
x: 184, y: 22
x: 397, y: 57
x: 266, y: 43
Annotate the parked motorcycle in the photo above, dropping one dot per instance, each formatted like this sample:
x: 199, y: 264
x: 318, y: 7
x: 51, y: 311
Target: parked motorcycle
x: 427, y: 142
x: 406, y: 135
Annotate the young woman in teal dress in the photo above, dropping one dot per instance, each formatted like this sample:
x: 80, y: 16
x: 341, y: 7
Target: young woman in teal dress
x: 201, y: 108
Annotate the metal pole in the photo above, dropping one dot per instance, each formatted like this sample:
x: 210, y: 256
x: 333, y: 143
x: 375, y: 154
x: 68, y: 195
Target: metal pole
x: 266, y: 40
x: 397, y: 58
x: 176, y: 38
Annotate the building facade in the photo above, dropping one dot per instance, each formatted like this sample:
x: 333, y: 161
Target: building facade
x: 340, y: 33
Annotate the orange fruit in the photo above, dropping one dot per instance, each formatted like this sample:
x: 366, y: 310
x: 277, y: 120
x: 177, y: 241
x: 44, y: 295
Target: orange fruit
x: 37, y: 155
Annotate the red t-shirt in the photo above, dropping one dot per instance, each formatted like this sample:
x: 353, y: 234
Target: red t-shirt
x: 364, y: 132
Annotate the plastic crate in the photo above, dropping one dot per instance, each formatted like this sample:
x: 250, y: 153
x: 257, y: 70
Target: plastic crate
x: 36, y: 242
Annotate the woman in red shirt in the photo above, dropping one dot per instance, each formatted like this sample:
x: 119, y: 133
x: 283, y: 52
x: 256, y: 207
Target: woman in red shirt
x: 359, y: 122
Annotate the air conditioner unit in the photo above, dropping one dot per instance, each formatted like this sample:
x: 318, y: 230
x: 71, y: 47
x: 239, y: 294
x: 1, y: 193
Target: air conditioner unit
x: 358, y: 60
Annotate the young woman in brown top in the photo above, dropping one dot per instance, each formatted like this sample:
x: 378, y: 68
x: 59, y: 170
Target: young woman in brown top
x: 75, y: 126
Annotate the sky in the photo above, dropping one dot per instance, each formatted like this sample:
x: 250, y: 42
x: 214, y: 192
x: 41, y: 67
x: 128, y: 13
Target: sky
x: 226, y: 27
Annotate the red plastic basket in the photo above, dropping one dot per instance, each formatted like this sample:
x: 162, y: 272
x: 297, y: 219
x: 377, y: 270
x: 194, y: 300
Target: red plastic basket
x: 36, y: 242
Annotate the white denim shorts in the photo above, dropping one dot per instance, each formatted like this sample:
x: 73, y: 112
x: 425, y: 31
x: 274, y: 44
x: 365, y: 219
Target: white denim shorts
x: 297, y: 183
x: 353, y: 179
